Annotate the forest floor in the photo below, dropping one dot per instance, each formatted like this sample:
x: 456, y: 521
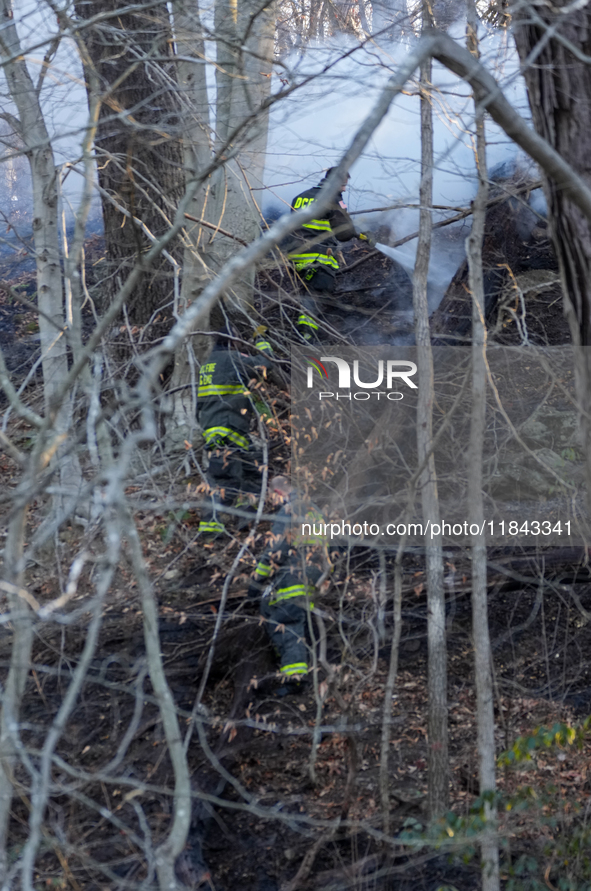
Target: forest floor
x: 275, y: 828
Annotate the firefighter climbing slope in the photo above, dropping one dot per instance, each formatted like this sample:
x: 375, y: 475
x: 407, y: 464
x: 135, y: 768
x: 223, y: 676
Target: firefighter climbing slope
x: 312, y: 250
x: 226, y: 411
x: 294, y: 564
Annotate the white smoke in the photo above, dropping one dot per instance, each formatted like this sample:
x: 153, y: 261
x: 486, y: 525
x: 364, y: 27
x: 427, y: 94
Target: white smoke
x: 310, y: 132
x: 64, y: 105
x: 310, y: 129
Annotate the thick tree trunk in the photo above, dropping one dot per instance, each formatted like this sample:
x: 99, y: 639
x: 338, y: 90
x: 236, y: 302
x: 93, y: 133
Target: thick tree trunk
x: 197, y: 146
x: 138, y: 145
x: 243, y: 78
x: 559, y: 85
x: 227, y: 198
x: 389, y: 19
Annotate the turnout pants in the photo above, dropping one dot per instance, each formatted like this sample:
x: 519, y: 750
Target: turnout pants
x: 287, y: 625
x: 319, y: 281
x: 231, y: 473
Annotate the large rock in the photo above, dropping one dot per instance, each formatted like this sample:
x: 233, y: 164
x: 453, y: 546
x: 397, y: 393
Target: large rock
x: 537, y: 475
x: 551, y: 429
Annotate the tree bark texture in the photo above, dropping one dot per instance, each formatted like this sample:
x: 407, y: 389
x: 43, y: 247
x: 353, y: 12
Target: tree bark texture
x: 244, y: 57
x: 226, y: 200
x: 50, y: 294
x: 33, y: 132
x: 389, y: 19
x: 20, y: 664
x: 482, y: 649
x: 558, y: 81
x: 138, y: 142
x: 197, y: 148
x: 438, y: 793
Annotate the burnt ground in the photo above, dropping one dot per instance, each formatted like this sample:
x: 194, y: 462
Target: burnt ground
x: 273, y: 818
x: 273, y: 829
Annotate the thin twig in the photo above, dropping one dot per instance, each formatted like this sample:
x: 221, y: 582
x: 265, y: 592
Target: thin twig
x: 217, y: 229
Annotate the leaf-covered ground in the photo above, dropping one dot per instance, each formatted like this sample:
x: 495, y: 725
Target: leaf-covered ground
x: 300, y: 807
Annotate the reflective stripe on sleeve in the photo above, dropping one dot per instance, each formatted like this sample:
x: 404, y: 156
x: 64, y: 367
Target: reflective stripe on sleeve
x: 301, y: 261
x: 317, y: 225
x: 295, y: 668
x: 263, y: 570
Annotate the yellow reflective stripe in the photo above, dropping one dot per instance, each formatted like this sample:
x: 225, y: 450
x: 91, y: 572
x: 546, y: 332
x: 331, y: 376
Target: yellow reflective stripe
x: 300, y: 261
x: 221, y: 390
x: 307, y: 320
x: 211, y: 526
x: 263, y: 345
x: 315, y: 256
x: 322, y: 225
x: 225, y: 433
x: 288, y: 593
x: 295, y: 668
x: 263, y: 570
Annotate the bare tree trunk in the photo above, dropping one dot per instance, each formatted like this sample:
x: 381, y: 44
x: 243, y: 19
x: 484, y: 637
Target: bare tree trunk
x: 389, y: 693
x: 244, y: 58
x: 226, y: 200
x: 554, y: 45
x: 427, y: 483
x: 20, y: 661
x: 482, y: 651
x: 389, y: 19
x: 50, y: 296
x: 167, y: 852
x: 74, y: 250
x: 138, y: 145
x: 197, y: 154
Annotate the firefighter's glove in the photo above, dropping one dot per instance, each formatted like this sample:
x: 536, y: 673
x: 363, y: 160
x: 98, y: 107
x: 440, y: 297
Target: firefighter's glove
x: 255, y: 590
x: 367, y: 239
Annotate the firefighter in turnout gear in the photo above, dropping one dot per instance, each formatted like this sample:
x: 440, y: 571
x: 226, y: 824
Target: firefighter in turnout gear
x: 225, y: 411
x: 286, y: 577
x: 312, y: 250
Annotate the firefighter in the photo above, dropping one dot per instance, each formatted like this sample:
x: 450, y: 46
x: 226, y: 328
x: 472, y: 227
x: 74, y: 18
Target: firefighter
x: 285, y: 579
x: 312, y: 250
x: 225, y: 411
